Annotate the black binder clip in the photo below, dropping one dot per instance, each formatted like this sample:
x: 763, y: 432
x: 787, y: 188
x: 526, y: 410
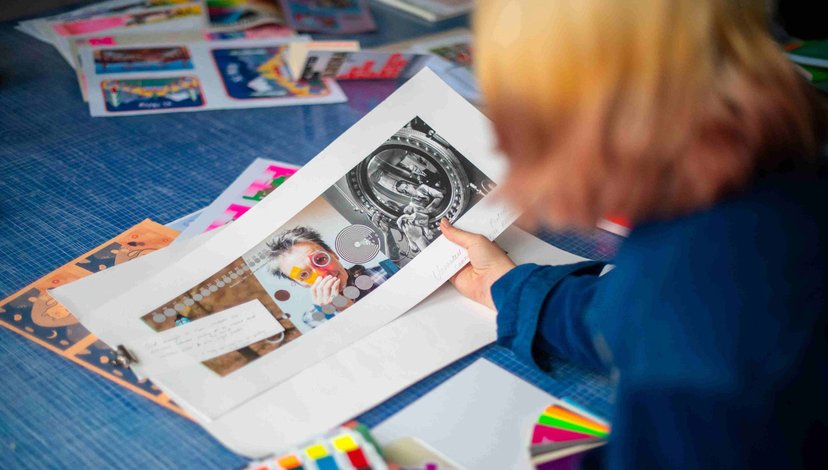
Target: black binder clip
x: 123, y: 358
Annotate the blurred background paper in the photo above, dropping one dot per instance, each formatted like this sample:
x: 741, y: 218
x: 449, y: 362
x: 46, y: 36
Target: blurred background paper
x: 257, y: 181
x: 480, y: 418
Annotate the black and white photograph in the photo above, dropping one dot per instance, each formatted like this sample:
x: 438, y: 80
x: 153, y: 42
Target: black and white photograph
x: 405, y: 186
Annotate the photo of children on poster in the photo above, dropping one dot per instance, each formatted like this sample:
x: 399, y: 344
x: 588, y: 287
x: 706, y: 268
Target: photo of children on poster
x: 341, y: 247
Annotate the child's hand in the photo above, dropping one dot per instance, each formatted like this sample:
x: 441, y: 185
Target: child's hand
x: 487, y: 264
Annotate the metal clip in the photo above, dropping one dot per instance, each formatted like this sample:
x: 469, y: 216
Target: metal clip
x: 124, y: 358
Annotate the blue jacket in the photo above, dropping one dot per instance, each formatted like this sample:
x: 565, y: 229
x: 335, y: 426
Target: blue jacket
x: 713, y: 325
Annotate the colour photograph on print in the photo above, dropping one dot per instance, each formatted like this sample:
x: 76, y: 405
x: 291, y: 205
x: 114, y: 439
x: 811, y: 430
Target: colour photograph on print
x: 329, y: 16
x: 459, y: 53
x: 273, y: 177
x: 320, y: 14
x: 342, y: 246
x: 261, y: 72
x: 144, y: 59
x: 101, y: 23
x: 148, y: 94
x: 243, y: 13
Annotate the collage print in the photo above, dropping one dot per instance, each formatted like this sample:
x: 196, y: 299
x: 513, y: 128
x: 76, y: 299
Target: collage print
x: 33, y: 313
x: 195, y: 76
x: 159, y: 12
x: 329, y: 16
x: 259, y: 179
x: 312, y: 16
x: 342, y: 246
x: 453, y: 60
x: 233, y: 15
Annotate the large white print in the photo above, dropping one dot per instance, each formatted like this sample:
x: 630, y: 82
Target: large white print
x: 346, y: 245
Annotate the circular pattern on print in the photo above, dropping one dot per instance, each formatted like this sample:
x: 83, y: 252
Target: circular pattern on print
x: 189, y: 302
x: 340, y: 301
x: 364, y: 282
x: 159, y: 318
x: 357, y: 244
x: 317, y: 316
x: 350, y: 292
x: 281, y: 295
x: 179, y: 307
x: 416, y: 158
x: 169, y: 313
x: 329, y: 309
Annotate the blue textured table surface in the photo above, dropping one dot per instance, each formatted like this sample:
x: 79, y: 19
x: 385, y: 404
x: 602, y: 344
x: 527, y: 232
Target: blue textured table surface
x: 69, y: 182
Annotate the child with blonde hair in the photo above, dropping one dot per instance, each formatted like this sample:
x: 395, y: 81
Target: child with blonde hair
x: 686, y: 118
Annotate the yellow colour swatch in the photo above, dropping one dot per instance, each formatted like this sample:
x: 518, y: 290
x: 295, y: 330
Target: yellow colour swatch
x: 316, y: 451
x: 345, y: 443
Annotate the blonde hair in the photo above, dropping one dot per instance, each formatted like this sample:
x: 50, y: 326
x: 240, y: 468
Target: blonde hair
x: 638, y: 108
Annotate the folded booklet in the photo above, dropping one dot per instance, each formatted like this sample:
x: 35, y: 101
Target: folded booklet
x: 347, y: 244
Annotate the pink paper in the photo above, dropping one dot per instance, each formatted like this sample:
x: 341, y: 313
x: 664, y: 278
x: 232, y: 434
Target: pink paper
x: 89, y: 26
x: 543, y: 434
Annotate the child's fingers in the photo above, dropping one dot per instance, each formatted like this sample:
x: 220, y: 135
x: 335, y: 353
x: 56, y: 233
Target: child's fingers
x: 458, y: 236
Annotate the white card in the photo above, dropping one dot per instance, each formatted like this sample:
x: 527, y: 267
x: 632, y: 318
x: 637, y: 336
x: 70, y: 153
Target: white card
x: 481, y: 418
x: 196, y: 76
x: 208, y: 337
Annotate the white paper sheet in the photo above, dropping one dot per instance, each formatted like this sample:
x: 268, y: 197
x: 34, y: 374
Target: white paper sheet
x: 435, y: 333
x: 203, y: 75
x: 208, y: 337
x: 209, y: 394
x: 481, y: 418
x: 86, y: 296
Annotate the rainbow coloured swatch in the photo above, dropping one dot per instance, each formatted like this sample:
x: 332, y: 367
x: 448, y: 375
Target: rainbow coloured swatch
x: 560, y: 436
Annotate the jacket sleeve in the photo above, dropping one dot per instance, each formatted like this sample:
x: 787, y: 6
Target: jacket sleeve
x: 541, y: 312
